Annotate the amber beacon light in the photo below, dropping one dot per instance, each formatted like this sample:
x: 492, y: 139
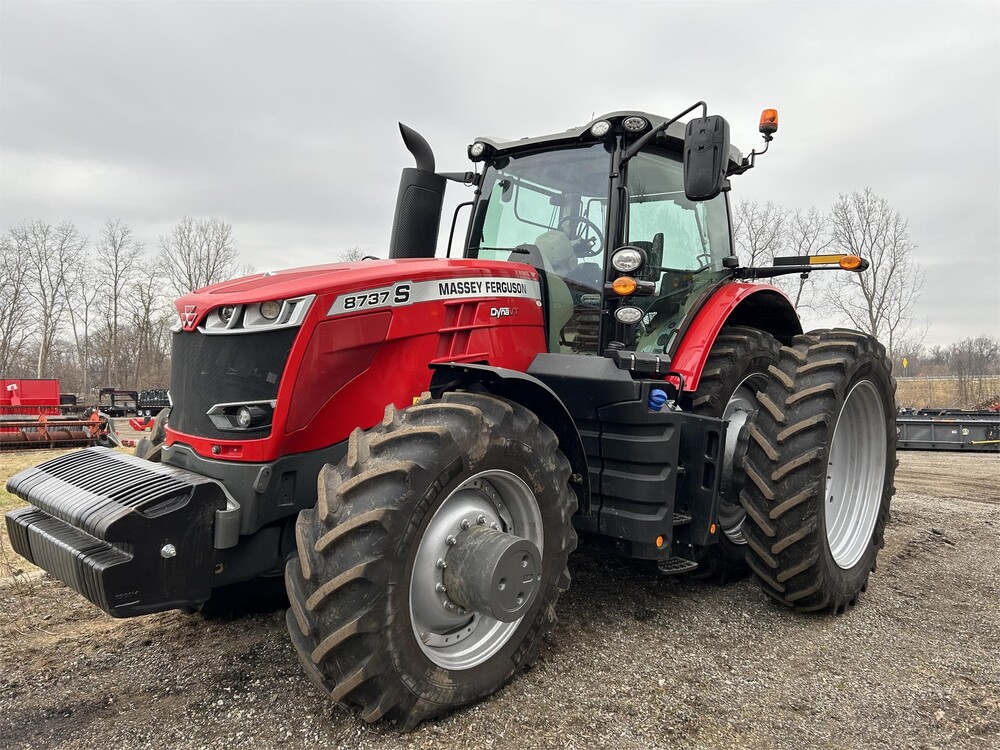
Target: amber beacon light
x: 769, y: 121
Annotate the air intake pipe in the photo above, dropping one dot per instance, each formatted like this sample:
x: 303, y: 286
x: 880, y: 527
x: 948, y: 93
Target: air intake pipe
x: 418, y: 203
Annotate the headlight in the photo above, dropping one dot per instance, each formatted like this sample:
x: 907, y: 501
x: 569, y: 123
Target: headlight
x: 628, y: 259
x: 226, y: 313
x: 255, y: 415
x: 628, y: 314
x: 270, y: 310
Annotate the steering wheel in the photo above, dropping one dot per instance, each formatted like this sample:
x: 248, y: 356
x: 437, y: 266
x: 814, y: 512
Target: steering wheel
x: 583, y: 246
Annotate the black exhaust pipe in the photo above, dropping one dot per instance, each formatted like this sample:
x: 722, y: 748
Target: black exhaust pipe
x: 418, y: 202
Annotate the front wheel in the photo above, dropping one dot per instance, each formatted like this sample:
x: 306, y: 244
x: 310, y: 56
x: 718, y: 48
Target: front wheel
x: 428, y: 573
x: 820, y: 467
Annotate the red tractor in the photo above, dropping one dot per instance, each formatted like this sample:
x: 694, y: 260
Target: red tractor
x: 417, y: 443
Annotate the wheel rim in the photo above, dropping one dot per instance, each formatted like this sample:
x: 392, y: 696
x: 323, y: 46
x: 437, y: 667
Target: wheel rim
x: 447, y: 635
x: 855, y: 474
x: 740, y: 405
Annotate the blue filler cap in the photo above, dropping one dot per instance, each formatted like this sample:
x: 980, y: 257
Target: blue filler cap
x: 657, y: 399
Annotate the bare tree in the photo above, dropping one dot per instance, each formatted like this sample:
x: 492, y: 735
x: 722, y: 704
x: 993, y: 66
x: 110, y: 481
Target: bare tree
x: 759, y: 231
x: 84, y: 287
x: 15, y: 311
x: 51, y: 253
x: 198, y: 253
x: 149, y: 319
x: 879, y: 301
x: 973, y: 361
x: 806, y: 233
x: 352, y: 255
x: 117, y: 255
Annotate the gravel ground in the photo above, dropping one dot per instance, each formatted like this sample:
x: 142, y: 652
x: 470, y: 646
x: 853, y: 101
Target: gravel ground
x: 635, y: 662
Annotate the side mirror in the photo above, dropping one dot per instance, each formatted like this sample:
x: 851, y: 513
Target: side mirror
x: 706, y: 156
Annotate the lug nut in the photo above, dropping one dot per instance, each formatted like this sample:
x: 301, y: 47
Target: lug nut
x: 450, y: 540
x: 481, y: 520
x: 461, y: 611
x: 167, y: 551
x: 440, y: 588
x: 495, y: 526
x: 465, y: 524
x: 449, y: 605
x: 441, y: 564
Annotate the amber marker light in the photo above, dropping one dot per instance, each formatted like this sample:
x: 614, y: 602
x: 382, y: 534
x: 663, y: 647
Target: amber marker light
x: 711, y: 529
x: 850, y: 262
x: 769, y: 121
x: 624, y: 286
x: 659, y: 541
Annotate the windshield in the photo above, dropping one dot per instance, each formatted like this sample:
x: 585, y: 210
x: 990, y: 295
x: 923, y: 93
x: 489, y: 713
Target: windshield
x: 554, y: 200
x: 549, y: 209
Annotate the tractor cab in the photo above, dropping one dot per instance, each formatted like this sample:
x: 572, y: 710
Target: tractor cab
x: 568, y: 210
x: 624, y: 236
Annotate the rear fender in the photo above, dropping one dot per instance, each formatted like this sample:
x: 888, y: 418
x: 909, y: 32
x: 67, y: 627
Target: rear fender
x: 534, y: 395
x: 760, y: 306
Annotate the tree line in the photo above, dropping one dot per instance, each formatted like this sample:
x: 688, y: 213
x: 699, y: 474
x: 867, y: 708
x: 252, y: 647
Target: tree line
x: 882, y: 300
x: 97, y: 312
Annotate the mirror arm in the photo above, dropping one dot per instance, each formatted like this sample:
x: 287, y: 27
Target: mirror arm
x: 641, y: 143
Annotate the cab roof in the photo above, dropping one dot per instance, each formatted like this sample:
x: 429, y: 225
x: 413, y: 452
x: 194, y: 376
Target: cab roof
x: 581, y: 134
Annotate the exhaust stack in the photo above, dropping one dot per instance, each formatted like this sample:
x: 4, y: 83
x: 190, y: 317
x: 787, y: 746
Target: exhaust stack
x: 418, y: 202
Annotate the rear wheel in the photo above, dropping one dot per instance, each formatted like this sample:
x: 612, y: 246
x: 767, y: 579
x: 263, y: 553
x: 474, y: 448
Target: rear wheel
x: 820, y: 467
x: 735, y: 370
x: 428, y: 573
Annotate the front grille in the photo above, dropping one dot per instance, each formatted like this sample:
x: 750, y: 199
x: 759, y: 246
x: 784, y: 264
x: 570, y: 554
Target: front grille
x: 222, y: 369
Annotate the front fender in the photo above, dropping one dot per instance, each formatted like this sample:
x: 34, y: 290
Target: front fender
x: 531, y: 393
x: 760, y: 306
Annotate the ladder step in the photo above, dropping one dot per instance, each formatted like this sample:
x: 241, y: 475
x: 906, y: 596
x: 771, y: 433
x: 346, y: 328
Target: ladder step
x: 674, y: 565
x: 681, y: 518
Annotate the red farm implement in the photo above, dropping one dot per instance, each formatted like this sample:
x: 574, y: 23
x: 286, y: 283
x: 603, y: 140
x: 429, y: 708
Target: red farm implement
x: 31, y: 417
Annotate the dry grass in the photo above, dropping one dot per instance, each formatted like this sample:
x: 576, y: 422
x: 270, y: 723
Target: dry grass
x: 938, y: 394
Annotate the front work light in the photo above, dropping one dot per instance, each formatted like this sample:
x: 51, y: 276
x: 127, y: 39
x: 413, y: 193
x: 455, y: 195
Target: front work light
x: 629, y: 314
x: 627, y: 259
x: 600, y: 128
x: 477, y: 150
x: 634, y: 124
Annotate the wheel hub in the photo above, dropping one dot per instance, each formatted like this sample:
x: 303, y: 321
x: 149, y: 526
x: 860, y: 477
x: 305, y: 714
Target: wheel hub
x: 493, y: 573
x: 479, y: 537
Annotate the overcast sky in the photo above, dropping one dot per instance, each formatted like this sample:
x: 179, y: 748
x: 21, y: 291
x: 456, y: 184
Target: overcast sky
x: 280, y: 117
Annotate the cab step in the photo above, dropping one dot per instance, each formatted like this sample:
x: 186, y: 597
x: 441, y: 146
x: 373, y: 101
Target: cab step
x: 676, y: 565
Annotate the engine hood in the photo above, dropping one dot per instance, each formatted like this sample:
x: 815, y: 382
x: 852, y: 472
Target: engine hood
x: 328, y: 281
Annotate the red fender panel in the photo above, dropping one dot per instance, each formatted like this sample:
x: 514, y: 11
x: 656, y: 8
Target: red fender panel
x: 738, y: 303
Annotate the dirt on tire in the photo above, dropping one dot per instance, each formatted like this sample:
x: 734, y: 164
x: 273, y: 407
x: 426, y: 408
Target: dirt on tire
x: 636, y: 661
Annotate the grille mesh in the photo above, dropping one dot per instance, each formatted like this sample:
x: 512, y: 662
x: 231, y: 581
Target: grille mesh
x: 208, y: 370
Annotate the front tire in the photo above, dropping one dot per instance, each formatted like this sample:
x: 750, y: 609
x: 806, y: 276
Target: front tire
x: 369, y: 616
x: 820, y: 468
x: 736, y: 369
